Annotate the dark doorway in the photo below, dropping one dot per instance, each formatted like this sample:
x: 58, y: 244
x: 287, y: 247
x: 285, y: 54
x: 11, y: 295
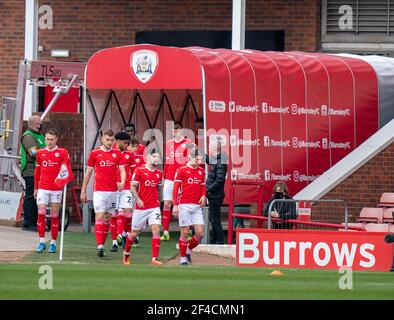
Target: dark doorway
x: 257, y: 39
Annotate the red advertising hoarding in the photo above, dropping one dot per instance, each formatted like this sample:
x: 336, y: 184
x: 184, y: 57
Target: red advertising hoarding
x: 310, y: 249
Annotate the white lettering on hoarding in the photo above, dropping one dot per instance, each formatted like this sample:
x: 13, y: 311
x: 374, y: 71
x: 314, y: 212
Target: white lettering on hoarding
x: 235, y: 175
x: 288, y: 245
x: 368, y: 255
x: 270, y: 109
x: 268, y: 176
x: 232, y: 107
x: 297, y: 143
x: 268, y: 142
x: 340, y: 145
x: 295, y: 252
x: 246, y: 237
x: 276, y: 256
x: 216, y: 106
x: 295, y: 110
x: 344, y: 254
x: 234, y: 142
x: 298, y: 177
x: 322, y: 262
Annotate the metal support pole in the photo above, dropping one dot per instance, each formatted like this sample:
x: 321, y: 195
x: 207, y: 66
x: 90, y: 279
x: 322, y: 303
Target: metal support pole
x: 59, y: 91
x: 86, y: 218
x: 207, y: 228
x: 230, y: 216
x: 31, y: 48
x: 238, y: 32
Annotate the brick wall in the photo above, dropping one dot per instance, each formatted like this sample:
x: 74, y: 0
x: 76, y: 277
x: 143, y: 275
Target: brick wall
x: 12, y: 43
x: 361, y: 189
x: 84, y: 27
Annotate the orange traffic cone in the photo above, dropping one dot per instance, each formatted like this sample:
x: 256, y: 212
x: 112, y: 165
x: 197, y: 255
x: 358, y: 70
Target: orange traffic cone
x: 276, y: 273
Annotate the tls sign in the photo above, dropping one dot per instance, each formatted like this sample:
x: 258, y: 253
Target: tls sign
x: 313, y: 249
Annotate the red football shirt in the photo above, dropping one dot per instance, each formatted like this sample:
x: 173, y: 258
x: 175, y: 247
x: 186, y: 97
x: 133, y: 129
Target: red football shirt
x: 138, y: 162
x: 105, y: 165
x: 148, y: 181
x: 128, y: 161
x: 176, y: 156
x: 48, y: 163
x: 192, y: 185
x: 140, y: 149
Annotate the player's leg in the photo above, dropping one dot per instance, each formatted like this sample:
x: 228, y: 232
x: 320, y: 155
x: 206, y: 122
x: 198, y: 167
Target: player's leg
x: 184, y: 218
x: 183, y: 245
x: 139, y: 220
x: 155, y: 223
x: 55, y: 203
x: 110, y: 220
x: 42, y: 203
x: 125, y: 214
x: 99, y: 204
x: 197, y: 220
x: 166, y: 215
x: 113, y: 230
x: 127, y: 225
x: 120, y: 219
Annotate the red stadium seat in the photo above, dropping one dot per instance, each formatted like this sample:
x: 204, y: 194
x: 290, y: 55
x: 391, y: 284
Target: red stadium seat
x: 387, y: 200
x: 388, y: 215
x: 371, y: 215
x: 377, y: 227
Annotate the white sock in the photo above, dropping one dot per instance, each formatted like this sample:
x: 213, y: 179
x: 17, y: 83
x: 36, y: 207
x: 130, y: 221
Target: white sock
x: 53, y: 241
x: 114, y: 242
x: 166, y: 233
x: 42, y: 240
x: 183, y: 259
x: 188, y: 251
x: 124, y: 234
x: 100, y: 246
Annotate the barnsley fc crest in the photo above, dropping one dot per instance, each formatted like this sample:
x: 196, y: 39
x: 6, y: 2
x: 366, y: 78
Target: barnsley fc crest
x: 144, y: 64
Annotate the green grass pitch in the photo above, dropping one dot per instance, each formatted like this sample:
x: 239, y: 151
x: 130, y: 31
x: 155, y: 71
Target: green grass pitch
x: 82, y: 275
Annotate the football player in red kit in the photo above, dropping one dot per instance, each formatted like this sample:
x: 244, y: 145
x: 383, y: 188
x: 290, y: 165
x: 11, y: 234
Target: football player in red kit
x: 130, y: 130
x: 189, y: 198
x: 176, y: 156
x: 48, y: 163
x: 104, y: 161
x: 135, y: 148
x: 120, y: 222
x: 144, y: 186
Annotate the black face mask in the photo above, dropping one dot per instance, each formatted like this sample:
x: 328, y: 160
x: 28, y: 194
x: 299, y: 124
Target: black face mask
x: 278, y: 195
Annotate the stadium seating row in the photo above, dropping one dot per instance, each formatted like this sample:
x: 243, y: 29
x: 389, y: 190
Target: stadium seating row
x: 379, y: 219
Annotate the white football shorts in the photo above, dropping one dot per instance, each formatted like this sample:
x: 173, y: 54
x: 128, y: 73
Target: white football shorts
x: 124, y: 200
x: 168, y: 189
x: 104, y: 201
x: 47, y: 196
x: 190, y: 215
x: 140, y: 217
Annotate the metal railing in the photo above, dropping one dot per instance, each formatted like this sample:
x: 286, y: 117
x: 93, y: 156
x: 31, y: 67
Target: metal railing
x: 260, y: 218
x: 313, y: 223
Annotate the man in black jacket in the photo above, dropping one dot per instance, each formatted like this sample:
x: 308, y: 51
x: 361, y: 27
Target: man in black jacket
x: 215, y: 189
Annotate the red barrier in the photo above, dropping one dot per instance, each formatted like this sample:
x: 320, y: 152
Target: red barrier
x: 231, y: 213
